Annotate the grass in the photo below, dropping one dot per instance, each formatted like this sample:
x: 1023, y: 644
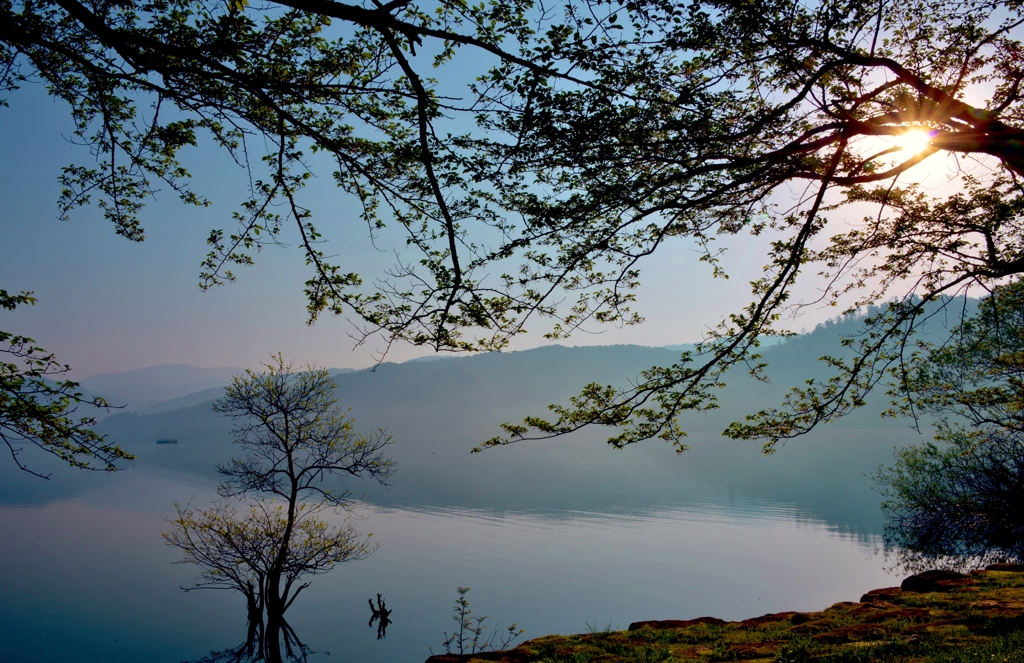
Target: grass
x: 593, y: 629
x: 981, y: 623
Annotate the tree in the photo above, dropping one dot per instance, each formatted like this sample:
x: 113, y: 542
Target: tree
x: 956, y: 502
x: 36, y: 410
x: 294, y: 438
x: 960, y: 500
x: 586, y: 139
x: 734, y: 104
x: 239, y: 551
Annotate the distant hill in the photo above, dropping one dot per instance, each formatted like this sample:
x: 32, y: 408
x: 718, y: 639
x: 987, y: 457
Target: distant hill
x: 438, y: 410
x: 165, y: 387
x: 195, y: 398
x: 159, y: 383
x: 117, y: 405
x: 765, y: 343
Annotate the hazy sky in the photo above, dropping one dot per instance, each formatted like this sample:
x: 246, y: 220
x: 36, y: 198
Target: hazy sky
x: 107, y: 304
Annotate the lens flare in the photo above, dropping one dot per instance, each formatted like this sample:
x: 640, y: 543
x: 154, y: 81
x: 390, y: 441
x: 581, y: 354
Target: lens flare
x: 914, y: 141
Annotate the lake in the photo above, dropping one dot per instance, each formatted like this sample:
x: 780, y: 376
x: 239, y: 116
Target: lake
x: 87, y: 577
x: 552, y: 535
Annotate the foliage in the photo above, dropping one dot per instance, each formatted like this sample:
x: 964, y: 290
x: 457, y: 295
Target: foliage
x: 794, y: 652
x: 586, y: 137
x: 36, y: 410
x: 238, y: 550
x: 730, y: 107
x: 960, y: 499
x: 470, y: 637
x: 957, y: 505
x: 294, y: 437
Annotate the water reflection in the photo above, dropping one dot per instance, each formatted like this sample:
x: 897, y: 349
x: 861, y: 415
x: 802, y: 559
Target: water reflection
x: 294, y: 438
x: 956, y: 506
x: 550, y: 572
x: 380, y: 612
x: 262, y: 551
x: 263, y: 644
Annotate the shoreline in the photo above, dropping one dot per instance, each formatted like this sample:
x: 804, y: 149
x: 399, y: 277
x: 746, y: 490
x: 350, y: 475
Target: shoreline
x: 932, y: 616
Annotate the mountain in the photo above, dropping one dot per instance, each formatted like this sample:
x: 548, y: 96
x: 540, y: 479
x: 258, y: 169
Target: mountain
x: 681, y: 347
x: 165, y: 387
x: 437, y: 411
x: 159, y: 383
x: 195, y: 398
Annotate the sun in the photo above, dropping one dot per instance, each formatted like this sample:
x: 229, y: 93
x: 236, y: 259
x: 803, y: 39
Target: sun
x: 913, y: 141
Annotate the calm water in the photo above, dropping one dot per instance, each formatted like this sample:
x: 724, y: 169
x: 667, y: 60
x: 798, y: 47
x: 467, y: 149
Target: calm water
x: 87, y: 577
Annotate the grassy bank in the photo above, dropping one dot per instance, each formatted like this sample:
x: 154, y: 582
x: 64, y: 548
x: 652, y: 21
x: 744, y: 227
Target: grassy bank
x: 933, y: 618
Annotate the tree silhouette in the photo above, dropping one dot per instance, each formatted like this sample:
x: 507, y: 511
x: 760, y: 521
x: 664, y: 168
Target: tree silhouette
x: 258, y: 648
x: 294, y: 439
x: 39, y: 411
x: 584, y: 139
x: 959, y: 500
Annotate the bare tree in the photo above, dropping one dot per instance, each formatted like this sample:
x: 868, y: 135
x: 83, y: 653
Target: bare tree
x: 295, y: 439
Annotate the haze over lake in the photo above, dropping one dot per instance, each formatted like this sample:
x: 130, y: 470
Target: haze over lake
x: 551, y: 535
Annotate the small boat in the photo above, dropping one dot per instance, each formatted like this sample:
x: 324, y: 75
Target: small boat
x: 167, y: 441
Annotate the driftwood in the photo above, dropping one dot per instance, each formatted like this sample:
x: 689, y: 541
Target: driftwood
x: 380, y: 612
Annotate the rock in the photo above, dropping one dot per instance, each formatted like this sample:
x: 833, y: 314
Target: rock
x: 770, y: 618
x: 675, y: 623
x: 1005, y: 567
x: 936, y: 581
x: 884, y: 595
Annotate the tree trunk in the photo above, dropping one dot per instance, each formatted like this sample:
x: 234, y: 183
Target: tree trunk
x: 275, y: 605
x: 272, y: 639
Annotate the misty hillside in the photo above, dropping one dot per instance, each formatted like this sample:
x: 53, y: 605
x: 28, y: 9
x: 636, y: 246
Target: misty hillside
x: 159, y: 383
x: 160, y: 388
x: 438, y: 410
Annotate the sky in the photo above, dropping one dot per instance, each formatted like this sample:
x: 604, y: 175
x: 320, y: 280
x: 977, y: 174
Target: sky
x: 106, y: 304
